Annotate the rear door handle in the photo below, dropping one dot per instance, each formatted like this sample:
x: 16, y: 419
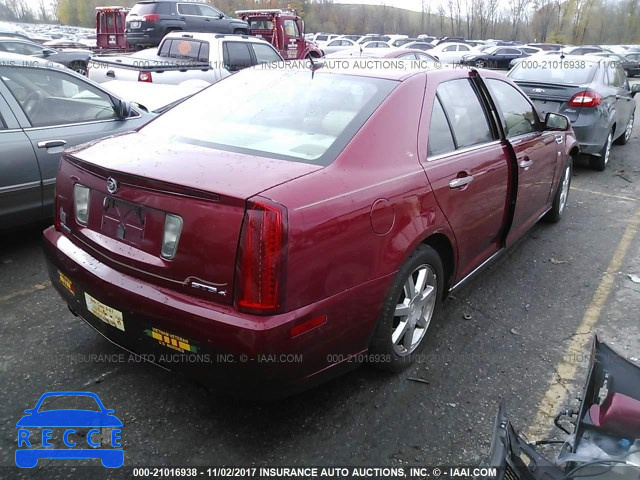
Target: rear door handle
x: 526, y: 163
x: 52, y: 143
x: 461, y: 182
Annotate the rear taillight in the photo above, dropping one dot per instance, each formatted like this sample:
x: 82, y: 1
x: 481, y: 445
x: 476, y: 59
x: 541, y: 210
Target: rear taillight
x: 261, y: 258
x: 585, y: 99
x: 145, y: 77
x: 152, y: 17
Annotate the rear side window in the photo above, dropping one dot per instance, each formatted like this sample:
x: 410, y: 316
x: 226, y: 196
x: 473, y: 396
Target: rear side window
x: 236, y: 56
x: 465, y: 113
x: 519, y: 115
x: 161, y: 8
x: 440, y: 138
x: 186, y: 9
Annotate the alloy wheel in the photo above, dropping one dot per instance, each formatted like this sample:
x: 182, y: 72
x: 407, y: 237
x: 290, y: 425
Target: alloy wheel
x: 414, y: 310
x: 629, y: 129
x: 564, y: 193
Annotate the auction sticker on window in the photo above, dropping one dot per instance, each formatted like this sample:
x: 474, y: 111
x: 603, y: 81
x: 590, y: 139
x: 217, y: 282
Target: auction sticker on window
x: 105, y: 313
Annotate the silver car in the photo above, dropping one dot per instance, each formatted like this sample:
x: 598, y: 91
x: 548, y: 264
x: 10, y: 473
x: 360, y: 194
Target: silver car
x: 45, y: 108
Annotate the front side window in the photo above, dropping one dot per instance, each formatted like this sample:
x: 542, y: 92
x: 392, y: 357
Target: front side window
x: 520, y: 117
x: 465, y: 113
x: 265, y: 53
x: 49, y: 97
x: 304, y: 118
x: 210, y: 12
x: 291, y: 29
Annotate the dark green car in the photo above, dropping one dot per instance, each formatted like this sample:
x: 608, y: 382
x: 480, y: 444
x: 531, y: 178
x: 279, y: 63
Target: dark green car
x: 45, y: 108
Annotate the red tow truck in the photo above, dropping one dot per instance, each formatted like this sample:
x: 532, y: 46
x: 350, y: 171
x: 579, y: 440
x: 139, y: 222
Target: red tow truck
x: 284, y: 29
x: 110, y: 28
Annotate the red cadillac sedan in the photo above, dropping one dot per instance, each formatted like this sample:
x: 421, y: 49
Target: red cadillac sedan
x: 284, y: 225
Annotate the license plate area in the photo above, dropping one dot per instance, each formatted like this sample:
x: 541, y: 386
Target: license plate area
x: 108, y: 315
x: 544, y: 106
x: 123, y: 220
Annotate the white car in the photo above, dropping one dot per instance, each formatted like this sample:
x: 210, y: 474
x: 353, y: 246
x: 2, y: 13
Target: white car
x: 451, y: 52
x: 376, y: 44
x: 338, y: 45
x: 418, y: 45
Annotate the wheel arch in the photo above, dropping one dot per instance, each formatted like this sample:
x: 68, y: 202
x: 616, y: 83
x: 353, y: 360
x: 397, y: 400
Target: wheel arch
x: 444, y: 247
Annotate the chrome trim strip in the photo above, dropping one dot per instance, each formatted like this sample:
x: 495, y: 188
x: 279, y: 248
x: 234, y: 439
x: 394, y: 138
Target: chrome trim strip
x: 20, y: 187
x: 49, y: 181
x: 477, y: 269
x: 463, y: 150
x: 10, y: 130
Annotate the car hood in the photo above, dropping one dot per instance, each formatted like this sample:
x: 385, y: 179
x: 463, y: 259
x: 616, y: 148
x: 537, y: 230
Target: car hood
x: 69, y: 418
x: 191, y: 166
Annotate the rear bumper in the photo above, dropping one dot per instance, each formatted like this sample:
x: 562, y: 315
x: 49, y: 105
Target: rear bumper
x: 234, y: 351
x: 148, y: 37
x: 590, y: 134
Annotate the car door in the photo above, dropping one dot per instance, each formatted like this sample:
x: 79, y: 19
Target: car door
x: 193, y: 21
x: 20, y: 181
x: 58, y: 109
x: 212, y: 20
x: 537, y: 152
x: 467, y: 167
x: 460, y: 52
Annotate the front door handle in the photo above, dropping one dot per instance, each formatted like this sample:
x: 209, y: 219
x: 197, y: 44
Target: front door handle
x: 52, y: 143
x: 111, y: 74
x: 526, y: 162
x: 461, y: 182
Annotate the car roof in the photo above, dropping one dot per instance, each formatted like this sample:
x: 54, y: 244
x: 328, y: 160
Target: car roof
x: 212, y: 37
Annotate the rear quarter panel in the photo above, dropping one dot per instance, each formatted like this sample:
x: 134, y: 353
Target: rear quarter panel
x: 333, y: 246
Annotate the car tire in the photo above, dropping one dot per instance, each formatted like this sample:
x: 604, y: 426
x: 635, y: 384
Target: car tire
x: 624, y: 139
x: 391, y: 348
x: 600, y: 163
x: 562, y: 194
x: 479, y: 64
x: 79, y: 67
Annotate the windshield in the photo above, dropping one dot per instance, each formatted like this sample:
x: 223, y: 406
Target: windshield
x: 303, y: 117
x: 566, y: 72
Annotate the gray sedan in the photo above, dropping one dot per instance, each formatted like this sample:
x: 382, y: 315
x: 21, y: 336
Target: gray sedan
x: 43, y: 110
x: 73, y: 58
x: 593, y: 92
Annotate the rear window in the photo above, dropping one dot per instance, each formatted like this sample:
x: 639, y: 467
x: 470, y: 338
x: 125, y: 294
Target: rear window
x: 185, y: 49
x: 160, y: 8
x: 565, y: 72
x: 304, y: 118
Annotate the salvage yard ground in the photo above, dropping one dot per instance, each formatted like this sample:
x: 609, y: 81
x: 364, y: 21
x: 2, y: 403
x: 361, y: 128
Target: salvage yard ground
x: 512, y: 333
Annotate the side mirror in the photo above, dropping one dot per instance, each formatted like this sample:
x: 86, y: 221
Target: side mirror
x: 46, y: 52
x: 221, y: 15
x: 555, y: 121
x: 122, y: 108
x: 635, y: 89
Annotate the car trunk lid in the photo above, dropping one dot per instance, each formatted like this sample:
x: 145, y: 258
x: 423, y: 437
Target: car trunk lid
x: 553, y: 98
x: 135, y: 186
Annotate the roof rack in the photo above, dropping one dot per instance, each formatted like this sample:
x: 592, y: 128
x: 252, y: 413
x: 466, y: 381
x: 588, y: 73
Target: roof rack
x: 265, y: 10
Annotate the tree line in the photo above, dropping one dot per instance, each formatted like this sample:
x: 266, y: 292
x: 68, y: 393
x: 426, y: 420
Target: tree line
x: 558, y: 21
